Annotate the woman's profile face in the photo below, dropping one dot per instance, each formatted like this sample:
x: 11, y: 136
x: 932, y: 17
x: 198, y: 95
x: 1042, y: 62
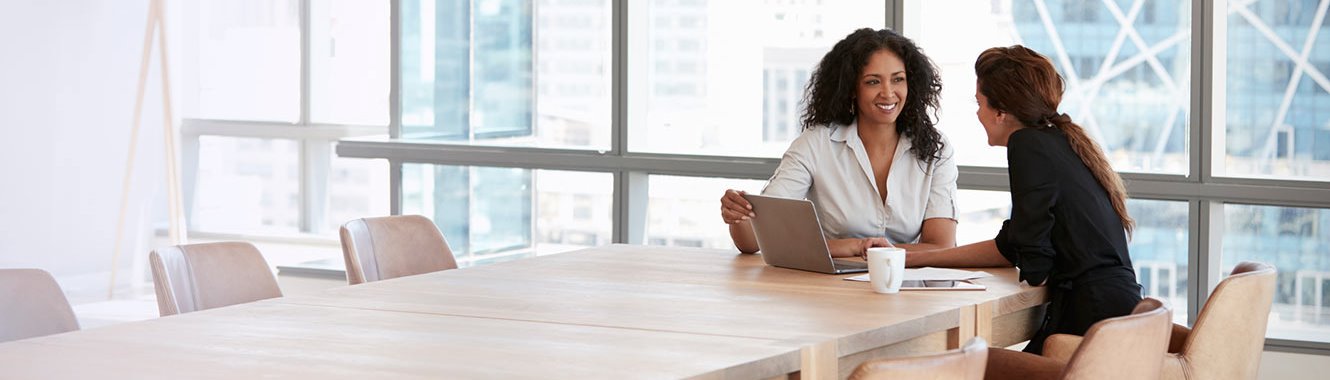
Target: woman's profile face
x: 880, y: 94
x: 988, y: 116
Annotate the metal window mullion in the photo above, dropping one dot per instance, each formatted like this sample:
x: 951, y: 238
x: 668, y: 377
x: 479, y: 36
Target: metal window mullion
x: 395, y: 187
x: 311, y: 192
x: 1203, y: 247
x: 628, y: 217
x: 394, y: 103
x: 306, y: 27
x: 1201, y: 99
x: 630, y: 206
x: 895, y: 17
x: 315, y: 163
x: 470, y: 73
x: 619, y: 214
x: 394, y: 71
x: 619, y: 77
x: 1204, y: 253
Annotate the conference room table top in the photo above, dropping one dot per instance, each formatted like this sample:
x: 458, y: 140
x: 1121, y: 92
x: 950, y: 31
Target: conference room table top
x: 618, y: 311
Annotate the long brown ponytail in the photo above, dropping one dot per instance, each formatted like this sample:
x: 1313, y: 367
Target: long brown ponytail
x: 1023, y: 83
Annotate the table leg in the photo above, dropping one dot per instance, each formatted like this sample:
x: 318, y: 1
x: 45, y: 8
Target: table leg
x: 819, y: 361
x: 964, y: 330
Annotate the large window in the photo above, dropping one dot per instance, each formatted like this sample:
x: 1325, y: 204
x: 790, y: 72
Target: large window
x: 270, y: 86
x: 348, y: 51
x: 245, y: 60
x: 728, y: 77
x: 1125, y: 65
x: 490, y: 214
x: 683, y: 211
x: 522, y: 126
x: 506, y: 72
x: 247, y: 185
x: 1158, y: 250
x: 1278, y: 106
x: 1294, y: 240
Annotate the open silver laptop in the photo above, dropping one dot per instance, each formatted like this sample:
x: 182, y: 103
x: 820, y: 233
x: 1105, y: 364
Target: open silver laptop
x: 789, y: 235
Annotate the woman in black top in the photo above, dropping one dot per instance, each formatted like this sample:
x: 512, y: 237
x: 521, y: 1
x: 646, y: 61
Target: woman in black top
x: 1069, y: 224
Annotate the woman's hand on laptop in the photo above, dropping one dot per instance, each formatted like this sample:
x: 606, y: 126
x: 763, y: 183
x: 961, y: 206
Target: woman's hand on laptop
x: 857, y: 247
x: 734, y: 208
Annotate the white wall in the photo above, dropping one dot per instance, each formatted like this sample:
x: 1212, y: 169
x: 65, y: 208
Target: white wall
x: 68, y: 73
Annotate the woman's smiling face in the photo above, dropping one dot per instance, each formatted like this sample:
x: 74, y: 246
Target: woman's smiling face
x: 882, y: 89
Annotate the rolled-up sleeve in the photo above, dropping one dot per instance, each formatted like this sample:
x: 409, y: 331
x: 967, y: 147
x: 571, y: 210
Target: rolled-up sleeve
x: 1026, y: 240
x: 942, y: 191
x: 794, y: 176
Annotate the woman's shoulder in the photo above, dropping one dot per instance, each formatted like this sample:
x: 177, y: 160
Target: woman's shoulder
x: 818, y: 135
x: 1036, y: 137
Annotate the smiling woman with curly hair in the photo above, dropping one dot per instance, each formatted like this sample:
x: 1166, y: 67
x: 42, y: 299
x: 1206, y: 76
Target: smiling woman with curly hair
x: 870, y: 157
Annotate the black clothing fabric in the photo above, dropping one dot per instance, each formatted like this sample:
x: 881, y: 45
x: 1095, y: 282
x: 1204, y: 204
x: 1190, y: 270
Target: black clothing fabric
x: 1064, y: 233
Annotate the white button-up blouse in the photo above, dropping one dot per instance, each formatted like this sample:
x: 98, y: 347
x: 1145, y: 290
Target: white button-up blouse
x: 829, y: 166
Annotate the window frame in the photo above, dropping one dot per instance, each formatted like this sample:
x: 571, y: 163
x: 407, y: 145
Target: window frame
x: 1204, y: 192
x: 316, y: 149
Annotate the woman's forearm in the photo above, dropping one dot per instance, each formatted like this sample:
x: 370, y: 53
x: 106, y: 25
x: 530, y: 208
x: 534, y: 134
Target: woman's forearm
x: 742, y: 234
x: 976, y: 255
x: 924, y: 247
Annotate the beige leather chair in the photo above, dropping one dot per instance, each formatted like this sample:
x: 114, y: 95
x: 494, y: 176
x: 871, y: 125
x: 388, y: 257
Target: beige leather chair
x: 1229, y: 334
x: 393, y: 246
x: 966, y: 363
x: 195, y: 277
x: 1126, y: 347
x: 32, y: 305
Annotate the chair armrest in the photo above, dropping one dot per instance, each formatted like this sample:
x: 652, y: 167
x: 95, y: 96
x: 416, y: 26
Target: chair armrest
x: 1060, y: 347
x: 1179, y: 337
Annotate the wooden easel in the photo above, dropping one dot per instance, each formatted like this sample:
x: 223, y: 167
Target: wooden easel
x: 156, y: 23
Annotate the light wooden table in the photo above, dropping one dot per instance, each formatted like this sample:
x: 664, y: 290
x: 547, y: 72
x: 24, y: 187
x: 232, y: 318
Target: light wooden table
x: 615, y: 311
x: 837, y: 323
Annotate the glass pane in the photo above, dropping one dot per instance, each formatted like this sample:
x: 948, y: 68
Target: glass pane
x: 357, y: 188
x: 1278, y: 124
x: 492, y: 215
x: 726, y: 77
x: 1158, y: 250
x: 685, y: 211
x: 247, y: 185
x: 507, y: 72
x: 1293, y: 240
x: 1127, y: 78
x: 349, y: 52
x: 246, y: 57
x: 980, y: 214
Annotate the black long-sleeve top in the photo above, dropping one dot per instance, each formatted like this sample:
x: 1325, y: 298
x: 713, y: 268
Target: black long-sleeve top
x: 1062, y: 223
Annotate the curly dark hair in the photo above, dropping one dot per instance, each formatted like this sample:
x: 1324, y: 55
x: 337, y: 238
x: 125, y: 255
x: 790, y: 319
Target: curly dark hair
x: 829, y: 97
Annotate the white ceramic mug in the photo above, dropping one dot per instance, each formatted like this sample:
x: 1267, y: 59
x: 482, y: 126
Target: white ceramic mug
x: 886, y: 269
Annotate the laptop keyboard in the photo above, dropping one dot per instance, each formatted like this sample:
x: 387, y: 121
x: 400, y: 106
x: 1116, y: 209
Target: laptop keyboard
x: 849, y: 264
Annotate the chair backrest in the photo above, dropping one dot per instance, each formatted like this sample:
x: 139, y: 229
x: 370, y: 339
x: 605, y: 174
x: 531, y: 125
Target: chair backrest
x: 195, y: 277
x: 1229, y: 334
x: 966, y: 363
x: 32, y: 305
x: 1126, y: 347
x: 393, y: 246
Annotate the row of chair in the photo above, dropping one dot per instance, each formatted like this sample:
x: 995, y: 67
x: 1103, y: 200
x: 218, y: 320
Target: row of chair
x: 1225, y: 343
x: 203, y: 276
x: 193, y: 277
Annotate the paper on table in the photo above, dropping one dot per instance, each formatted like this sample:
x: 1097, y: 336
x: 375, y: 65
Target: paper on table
x: 931, y: 274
